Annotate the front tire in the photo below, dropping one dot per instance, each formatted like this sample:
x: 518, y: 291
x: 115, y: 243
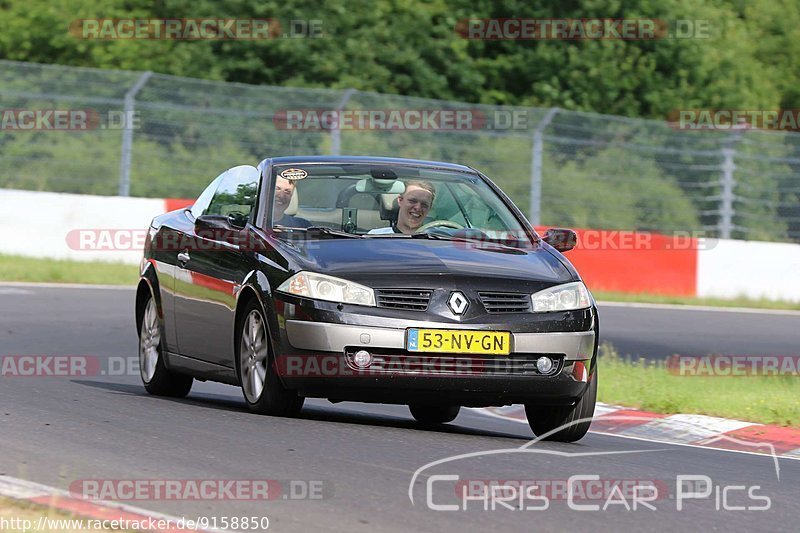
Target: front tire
x: 157, y: 379
x: 261, y: 386
x: 543, y: 420
x: 431, y: 415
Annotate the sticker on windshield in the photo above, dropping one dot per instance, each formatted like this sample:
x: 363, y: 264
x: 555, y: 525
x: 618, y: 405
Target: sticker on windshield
x: 293, y: 174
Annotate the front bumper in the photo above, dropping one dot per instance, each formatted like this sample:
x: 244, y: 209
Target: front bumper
x: 325, y: 350
x: 324, y: 337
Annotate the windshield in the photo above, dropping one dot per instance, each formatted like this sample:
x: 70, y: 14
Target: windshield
x: 390, y: 201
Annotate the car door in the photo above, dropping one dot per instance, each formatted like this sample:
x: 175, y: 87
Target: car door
x: 211, y: 268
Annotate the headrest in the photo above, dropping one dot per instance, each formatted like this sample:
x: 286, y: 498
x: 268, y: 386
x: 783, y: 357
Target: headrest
x: 293, y: 204
x: 389, y: 207
x: 388, y: 201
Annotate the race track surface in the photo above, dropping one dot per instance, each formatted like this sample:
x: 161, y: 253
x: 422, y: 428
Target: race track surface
x: 60, y: 430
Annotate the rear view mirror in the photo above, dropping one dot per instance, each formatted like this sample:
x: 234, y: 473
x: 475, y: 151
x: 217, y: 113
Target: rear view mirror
x: 383, y: 173
x: 561, y: 239
x: 382, y: 186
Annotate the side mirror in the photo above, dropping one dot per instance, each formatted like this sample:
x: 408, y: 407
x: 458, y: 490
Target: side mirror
x: 212, y: 222
x: 561, y: 239
x: 238, y: 219
x: 218, y: 228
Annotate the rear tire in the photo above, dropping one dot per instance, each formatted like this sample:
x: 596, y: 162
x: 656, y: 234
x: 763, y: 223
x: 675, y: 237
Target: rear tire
x: 261, y: 386
x: 431, y: 415
x: 544, y: 419
x: 157, y: 379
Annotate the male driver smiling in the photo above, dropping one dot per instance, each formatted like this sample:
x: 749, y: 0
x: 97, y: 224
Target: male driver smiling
x: 414, y: 203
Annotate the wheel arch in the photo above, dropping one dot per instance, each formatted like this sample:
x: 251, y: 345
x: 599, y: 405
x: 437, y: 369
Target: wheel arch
x: 254, y: 287
x: 148, y: 286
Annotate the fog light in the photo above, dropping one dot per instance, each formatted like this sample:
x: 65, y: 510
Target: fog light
x: 362, y: 359
x: 544, y: 365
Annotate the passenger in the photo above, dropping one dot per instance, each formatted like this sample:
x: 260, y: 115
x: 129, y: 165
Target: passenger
x: 414, y: 204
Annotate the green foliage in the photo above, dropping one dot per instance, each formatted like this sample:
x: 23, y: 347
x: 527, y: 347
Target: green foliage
x: 46, y: 161
x: 641, y: 196
x: 749, y: 59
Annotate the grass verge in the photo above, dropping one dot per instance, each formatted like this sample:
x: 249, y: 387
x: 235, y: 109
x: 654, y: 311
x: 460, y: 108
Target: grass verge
x: 28, y: 516
x: 687, y: 300
x: 651, y: 387
x: 16, y: 268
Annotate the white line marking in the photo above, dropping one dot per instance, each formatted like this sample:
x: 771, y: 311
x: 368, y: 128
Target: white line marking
x: 686, y: 428
x: 34, y: 285
x: 648, y: 439
x: 12, y: 290
x: 645, y: 439
x: 21, y: 489
x: 680, y: 307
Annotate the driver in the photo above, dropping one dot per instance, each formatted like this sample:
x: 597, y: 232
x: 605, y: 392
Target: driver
x: 414, y: 204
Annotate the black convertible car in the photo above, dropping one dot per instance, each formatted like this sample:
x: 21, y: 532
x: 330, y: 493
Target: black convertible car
x: 368, y: 279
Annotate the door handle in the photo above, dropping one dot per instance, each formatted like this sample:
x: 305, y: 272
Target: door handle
x: 183, y: 258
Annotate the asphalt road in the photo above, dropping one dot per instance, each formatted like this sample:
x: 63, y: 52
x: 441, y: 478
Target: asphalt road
x: 656, y: 332
x: 59, y: 430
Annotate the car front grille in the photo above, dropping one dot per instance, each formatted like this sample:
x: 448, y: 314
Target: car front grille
x: 400, y: 362
x: 505, y: 302
x: 409, y: 299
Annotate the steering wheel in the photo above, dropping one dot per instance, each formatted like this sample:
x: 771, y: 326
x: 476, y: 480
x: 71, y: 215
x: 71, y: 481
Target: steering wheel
x: 440, y: 223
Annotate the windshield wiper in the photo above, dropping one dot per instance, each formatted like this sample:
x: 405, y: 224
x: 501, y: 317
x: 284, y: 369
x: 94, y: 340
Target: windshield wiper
x: 481, y: 244
x: 433, y: 236
x: 325, y: 230
x: 318, y: 231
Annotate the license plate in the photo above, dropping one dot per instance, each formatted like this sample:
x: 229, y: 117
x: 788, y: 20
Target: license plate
x: 459, y: 341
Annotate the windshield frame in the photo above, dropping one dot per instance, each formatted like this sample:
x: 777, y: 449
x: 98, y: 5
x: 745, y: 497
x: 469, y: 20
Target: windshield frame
x: 270, y: 169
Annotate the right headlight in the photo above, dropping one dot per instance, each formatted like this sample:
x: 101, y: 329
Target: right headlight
x: 323, y: 287
x: 561, y: 298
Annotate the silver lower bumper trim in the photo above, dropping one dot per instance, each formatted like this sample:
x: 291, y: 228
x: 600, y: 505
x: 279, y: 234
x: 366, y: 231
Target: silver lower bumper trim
x: 324, y: 337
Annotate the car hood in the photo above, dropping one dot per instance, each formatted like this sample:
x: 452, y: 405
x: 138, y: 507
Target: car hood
x: 370, y: 259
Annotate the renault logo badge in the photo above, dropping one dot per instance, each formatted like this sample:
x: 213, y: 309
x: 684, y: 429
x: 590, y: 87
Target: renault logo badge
x: 457, y: 303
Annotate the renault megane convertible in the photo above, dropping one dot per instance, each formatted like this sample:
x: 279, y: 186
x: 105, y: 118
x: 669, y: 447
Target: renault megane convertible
x: 373, y: 280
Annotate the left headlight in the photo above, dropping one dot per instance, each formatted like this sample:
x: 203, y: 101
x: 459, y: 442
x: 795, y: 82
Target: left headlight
x: 323, y: 287
x: 562, y: 298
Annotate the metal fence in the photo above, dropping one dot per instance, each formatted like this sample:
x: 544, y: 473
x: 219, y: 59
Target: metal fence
x: 562, y: 167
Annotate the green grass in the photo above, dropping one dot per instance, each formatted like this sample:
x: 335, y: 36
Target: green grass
x: 15, y: 268
x: 651, y: 387
x: 741, y: 301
